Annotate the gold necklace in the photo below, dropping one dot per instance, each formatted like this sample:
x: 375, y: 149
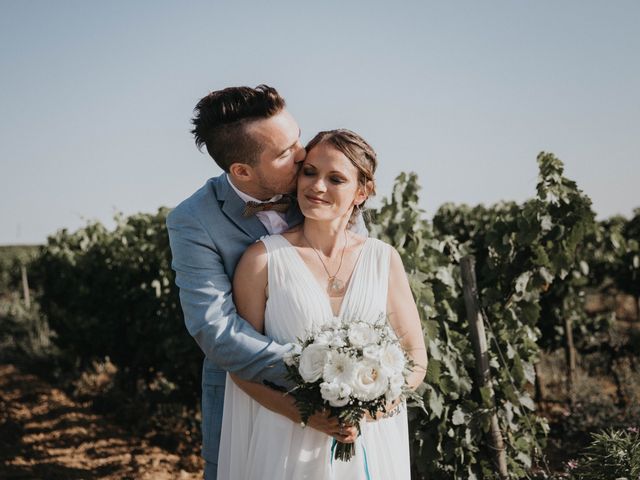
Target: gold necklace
x: 335, y: 286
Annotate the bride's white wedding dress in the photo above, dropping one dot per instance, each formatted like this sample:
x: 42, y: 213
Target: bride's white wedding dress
x: 258, y: 444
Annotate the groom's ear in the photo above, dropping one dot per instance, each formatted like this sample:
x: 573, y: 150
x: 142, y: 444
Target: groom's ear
x: 241, y: 172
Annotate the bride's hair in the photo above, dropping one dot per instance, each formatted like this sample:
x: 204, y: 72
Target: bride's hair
x: 359, y: 153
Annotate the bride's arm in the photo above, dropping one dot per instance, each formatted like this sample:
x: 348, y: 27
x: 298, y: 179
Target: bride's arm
x: 405, y: 320
x: 249, y: 285
x: 250, y: 297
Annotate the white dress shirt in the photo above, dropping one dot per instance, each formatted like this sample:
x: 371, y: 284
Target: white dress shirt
x: 273, y: 221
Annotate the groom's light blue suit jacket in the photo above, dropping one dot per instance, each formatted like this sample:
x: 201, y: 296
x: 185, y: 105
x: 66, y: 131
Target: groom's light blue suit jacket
x: 208, y: 235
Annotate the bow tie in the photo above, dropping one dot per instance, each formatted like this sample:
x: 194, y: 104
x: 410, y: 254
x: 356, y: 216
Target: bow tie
x: 251, y: 208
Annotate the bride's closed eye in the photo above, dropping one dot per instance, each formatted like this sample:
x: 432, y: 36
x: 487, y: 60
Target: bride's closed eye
x: 310, y: 172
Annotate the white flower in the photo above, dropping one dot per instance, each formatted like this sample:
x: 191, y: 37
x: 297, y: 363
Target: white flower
x: 390, y: 332
x: 362, y: 334
x: 372, y: 352
x: 337, y: 394
x: 322, y: 338
x: 291, y: 357
x: 330, y: 391
x: 380, y: 321
x: 392, y: 359
x: 395, y: 387
x: 332, y: 324
x: 332, y: 338
x: 369, y: 381
x: 338, y: 368
x: 312, y: 361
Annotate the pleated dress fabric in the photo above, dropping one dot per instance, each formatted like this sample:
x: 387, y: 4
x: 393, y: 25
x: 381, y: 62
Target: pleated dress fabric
x: 258, y: 444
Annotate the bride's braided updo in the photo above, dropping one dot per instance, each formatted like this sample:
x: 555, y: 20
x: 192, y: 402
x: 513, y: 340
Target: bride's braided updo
x: 359, y: 153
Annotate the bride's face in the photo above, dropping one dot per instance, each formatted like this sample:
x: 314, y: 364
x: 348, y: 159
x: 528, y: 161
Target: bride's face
x: 328, y: 185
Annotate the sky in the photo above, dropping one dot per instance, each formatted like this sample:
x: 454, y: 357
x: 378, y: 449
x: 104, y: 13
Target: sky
x: 96, y: 97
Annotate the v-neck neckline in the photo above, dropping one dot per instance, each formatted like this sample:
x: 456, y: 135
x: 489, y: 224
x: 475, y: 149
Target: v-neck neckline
x: 325, y: 295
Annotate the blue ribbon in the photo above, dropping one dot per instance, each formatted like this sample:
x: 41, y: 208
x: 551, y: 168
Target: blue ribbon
x: 366, y: 464
x: 334, y: 444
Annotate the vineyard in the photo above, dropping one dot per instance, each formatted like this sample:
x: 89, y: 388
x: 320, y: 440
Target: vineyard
x: 558, y: 295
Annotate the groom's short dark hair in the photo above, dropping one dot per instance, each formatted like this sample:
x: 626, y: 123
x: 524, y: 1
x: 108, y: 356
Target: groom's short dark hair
x: 221, y: 118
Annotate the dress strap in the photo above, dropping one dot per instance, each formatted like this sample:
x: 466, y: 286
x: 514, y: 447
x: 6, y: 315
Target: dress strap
x: 378, y: 267
x: 273, y: 242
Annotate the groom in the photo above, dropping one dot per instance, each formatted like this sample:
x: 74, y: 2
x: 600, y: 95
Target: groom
x: 256, y: 142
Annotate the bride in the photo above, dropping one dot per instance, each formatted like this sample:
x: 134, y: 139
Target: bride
x: 287, y: 284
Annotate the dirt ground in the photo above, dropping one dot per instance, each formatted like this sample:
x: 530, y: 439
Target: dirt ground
x: 46, y: 435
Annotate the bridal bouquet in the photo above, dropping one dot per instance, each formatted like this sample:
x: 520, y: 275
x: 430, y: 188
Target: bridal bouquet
x: 350, y: 367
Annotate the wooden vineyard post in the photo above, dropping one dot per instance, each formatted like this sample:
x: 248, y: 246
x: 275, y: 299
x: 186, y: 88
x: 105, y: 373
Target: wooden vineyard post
x: 25, y: 287
x: 541, y: 389
x: 483, y: 374
x: 570, y: 356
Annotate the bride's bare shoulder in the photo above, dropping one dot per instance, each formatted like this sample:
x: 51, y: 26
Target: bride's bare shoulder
x: 254, y: 258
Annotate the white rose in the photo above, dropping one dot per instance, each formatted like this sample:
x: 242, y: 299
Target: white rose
x: 369, y: 381
x: 338, y: 368
x: 362, y: 334
x: 312, y: 361
x: 337, y: 394
x: 392, y: 359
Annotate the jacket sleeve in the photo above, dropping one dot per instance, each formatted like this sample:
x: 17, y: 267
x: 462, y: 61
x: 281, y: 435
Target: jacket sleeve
x: 209, y: 312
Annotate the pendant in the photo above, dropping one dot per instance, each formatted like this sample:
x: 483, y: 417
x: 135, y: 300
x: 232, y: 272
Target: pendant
x: 336, y: 287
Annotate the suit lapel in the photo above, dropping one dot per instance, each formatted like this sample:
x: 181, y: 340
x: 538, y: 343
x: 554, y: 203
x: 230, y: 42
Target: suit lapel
x: 233, y: 206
